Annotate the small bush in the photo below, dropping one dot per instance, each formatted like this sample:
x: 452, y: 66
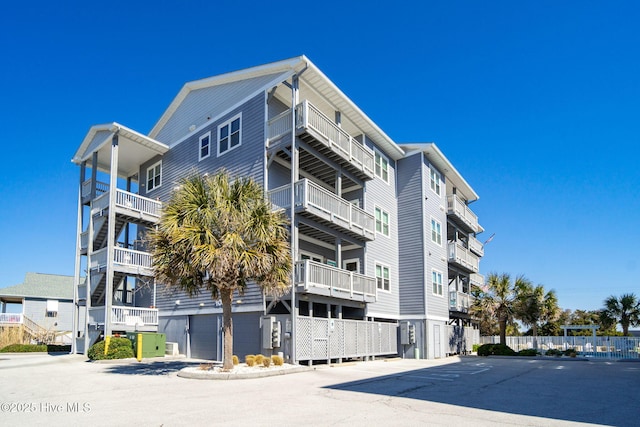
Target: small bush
x: 119, y: 348
x: 249, y: 356
x: 554, y: 352
x: 571, y: 352
x: 277, y: 360
x: 266, y: 362
x: 236, y: 361
x: 205, y: 366
x: 24, y: 348
x: 54, y: 348
x: 475, y: 348
x: 528, y: 352
x: 495, y: 350
x: 259, y: 359
x: 250, y: 360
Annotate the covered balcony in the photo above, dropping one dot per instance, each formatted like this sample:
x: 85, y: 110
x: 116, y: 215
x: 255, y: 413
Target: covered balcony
x: 476, y: 247
x: 127, y: 319
x: 129, y: 261
x: 324, y: 135
x: 326, y: 207
x: 461, y: 215
x: 459, y: 301
x: 322, y: 279
x: 463, y: 258
x: 477, y: 280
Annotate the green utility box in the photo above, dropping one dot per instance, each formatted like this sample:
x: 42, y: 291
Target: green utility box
x: 153, y: 344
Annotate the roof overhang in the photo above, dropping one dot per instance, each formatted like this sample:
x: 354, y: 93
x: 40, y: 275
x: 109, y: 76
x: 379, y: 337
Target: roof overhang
x: 134, y: 148
x: 435, y: 156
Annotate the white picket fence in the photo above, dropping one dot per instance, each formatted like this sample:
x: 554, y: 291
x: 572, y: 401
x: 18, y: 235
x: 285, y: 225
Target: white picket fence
x: 586, y: 346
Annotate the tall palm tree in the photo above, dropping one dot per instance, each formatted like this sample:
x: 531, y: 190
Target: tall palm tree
x: 624, y: 310
x: 217, y: 234
x: 499, y: 300
x: 534, y: 306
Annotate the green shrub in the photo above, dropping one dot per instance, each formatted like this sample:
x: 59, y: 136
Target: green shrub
x: 554, y: 352
x: 24, y: 348
x: 277, y: 360
x: 235, y: 359
x: 266, y: 362
x: 119, y: 348
x: 475, y: 348
x: 495, y: 350
x: 54, y: 348
x: 571, y: 352
x: 528, y: 352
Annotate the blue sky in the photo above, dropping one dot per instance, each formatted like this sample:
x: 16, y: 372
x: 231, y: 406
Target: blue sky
x: 537, y: 104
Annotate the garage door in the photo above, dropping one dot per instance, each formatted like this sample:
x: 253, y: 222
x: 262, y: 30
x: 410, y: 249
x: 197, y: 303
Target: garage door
x: 203, y: 332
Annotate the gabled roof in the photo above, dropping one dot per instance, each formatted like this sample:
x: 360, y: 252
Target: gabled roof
x: 445, y: 167
x: 220, y: 93
x: 38, y: 285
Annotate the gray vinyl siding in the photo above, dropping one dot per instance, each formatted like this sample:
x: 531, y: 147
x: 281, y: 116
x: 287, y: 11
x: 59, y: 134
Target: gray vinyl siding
x: 326, y: 253
x: 202, y: 104
x: 36, y: 310
x: 175, y: 328
x: 278, y: 176
x: 411, y: 235
x: 183, y: 159
x: 435, y: 207
x: 383, y: 249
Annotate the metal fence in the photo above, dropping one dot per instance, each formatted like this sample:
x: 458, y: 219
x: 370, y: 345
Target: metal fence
x: 585, y: 346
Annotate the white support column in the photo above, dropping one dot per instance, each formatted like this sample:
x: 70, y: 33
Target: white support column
x: 76, y: 273
x: 294, y: 224
x: 111, y: 234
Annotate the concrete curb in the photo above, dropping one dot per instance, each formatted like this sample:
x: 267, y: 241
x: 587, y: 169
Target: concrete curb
x: 196, y: 374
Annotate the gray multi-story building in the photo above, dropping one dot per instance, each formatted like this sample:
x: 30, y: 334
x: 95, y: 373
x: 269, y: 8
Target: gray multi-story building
x: 382, y: 236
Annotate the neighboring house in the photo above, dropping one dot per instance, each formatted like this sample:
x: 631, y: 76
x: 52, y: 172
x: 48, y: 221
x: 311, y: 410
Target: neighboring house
x: 43, y: 305
x: 383, y: 240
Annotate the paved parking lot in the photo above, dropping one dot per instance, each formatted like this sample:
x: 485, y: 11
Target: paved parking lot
x: 67, y: 390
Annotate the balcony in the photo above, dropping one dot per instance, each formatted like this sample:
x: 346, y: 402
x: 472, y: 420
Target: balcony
x: 321, y: 279
x: 323, y: 134
x: 459, y: 301
x: 461, y: 215
x: 463, y: 258
x: 127, y: 203
x: 127, y: 318
x: 475, y: 246
x: 326, y: 207
x: 11, y: 319
x: 124, y: 260
x: 477, y: 280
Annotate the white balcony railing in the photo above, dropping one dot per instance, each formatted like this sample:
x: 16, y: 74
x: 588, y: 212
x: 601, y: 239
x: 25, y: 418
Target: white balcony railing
x: 310, y: 197
x: 101, y: 187
x: 459, y: 209
x: 135, y: 202
x: 11, y: 318
x: 313, y: 274
x: 134, y: 316
x: 122, y: 256
x: 309, y: 116
x: 477, y: 280
x: 463, y: 257
x: 475, y: 246
x: 459, y: 301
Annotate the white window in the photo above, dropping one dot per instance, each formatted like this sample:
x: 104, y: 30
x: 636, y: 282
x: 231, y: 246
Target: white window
x: 436, y: 280
x: 435, y: 180
x: 382, y: 167
x: 382, y: 277
x: 310, y: 256
x: 154, y: 176
x: 229, y: 135
x: 436, y: 232
x: 204, y: 148
x: 382, y: 222
x: 52, y: 308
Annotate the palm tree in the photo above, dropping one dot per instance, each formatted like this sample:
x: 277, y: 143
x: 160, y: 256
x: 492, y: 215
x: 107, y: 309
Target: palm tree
x: 624, y: 310
x: 218, y: 235
x: 534, y: 306
x: 498, y: 301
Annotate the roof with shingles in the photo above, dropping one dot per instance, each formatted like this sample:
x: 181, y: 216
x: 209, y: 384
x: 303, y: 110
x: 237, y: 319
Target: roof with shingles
x: 39, y: 285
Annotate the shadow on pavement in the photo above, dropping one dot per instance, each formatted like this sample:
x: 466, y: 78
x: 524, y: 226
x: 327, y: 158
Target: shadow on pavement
x: 159, y: 367
x: 544, y: 389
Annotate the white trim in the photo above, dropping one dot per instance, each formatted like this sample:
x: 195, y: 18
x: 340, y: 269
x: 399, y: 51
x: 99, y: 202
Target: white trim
x: 228, y: 123
x: 311, y: 256
x: 438, y: 175
x: 435, y: 270
x: 431, y: 231
x: 146, y: 181
x: 437, y: 318
x: 203, y: 136
x: 375, y: 265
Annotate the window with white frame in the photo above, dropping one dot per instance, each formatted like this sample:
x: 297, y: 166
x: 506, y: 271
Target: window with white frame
x: 382, y: 277
x: 436, y: 232
x: 382, y: 221
x: 435, y: 180
x: 229, y: 135
x: 204, y: 147
x: 436, y: 280
x: 154, y: 176
x: 52, y: 308
x: 381, y: 166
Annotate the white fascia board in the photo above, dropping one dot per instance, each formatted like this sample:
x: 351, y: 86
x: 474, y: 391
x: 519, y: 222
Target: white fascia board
x: 440, y: 160
x: 293, y: 64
